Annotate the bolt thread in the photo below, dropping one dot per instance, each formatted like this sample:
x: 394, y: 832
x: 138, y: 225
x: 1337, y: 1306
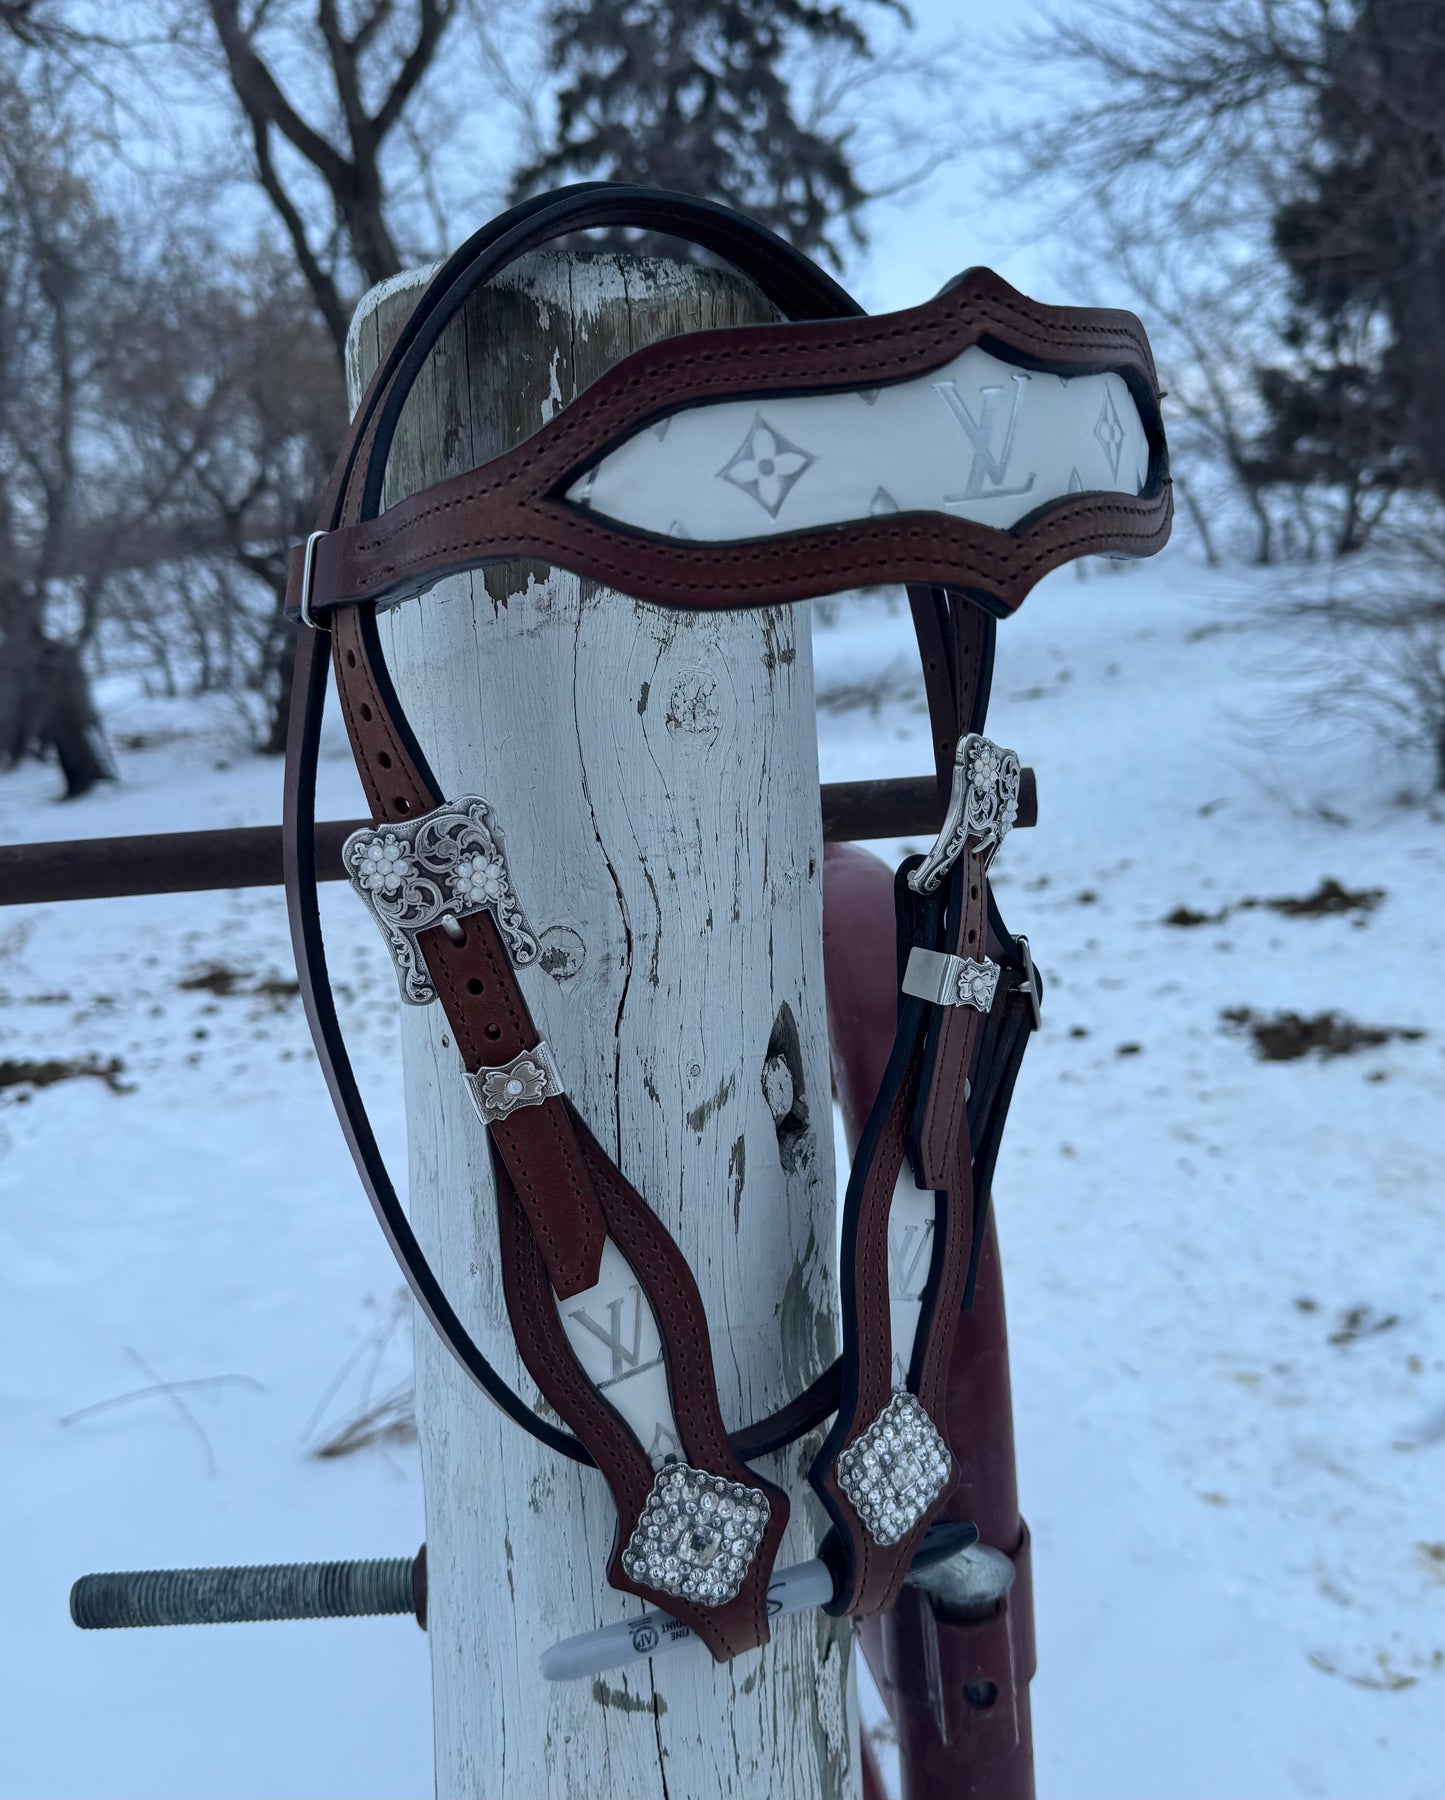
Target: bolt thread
x: 329, y: 1590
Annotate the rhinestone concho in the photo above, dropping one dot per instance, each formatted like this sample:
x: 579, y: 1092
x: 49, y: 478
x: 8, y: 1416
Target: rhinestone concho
x: 697, y: 1535
x: 895, y: 1470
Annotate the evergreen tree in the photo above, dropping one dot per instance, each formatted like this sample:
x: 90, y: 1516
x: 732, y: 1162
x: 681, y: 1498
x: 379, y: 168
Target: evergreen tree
x: 693, y: 95
x: 1362, y: 236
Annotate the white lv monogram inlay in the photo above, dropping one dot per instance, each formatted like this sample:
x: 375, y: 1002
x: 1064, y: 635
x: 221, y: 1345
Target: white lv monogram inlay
x: 908, y: 1252
x: 989, y: 469
x: 626, y: 1358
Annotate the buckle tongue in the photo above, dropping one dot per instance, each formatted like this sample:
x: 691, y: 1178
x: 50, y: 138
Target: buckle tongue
x: 441, y: 867
x: 983, y: 803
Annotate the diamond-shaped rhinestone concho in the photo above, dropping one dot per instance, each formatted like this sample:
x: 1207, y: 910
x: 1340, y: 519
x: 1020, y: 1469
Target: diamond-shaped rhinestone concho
x: 697, y: 1535
x: 894, y: 1471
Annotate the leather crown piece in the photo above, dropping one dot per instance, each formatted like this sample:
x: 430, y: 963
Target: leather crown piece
x: 964, y: 447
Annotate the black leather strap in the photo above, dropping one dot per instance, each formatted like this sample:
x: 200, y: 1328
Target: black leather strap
x: 801, y: 291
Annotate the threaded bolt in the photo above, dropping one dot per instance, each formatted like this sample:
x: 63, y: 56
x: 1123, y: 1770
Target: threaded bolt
x: 328, y: 1590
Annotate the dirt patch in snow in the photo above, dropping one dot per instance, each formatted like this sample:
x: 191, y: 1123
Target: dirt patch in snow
x: 29, y: 1073
x: 1287, y: 1036
x: 224, y: 982
x: 1331, y: 899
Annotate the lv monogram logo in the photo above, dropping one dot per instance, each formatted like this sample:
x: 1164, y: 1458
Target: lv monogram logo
x: 626, y: 1358
x: 991, y: 458
x: 908, y: 1258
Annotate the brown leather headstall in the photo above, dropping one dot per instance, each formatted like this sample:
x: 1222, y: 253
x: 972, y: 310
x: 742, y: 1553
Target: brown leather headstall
x: 517, y: 504
x: 698, y: 1532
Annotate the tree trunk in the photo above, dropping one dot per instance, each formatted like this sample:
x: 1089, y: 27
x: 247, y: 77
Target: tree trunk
x: 656, y: 775
x: 45, y: 706
x: 282, y: 672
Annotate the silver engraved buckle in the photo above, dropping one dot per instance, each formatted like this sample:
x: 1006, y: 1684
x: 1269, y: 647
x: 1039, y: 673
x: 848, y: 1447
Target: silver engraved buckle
x: 697, y: 1535
x: 436, y: 870
x: 527, y: 1080
x: 983, y: 803
x: 951, y: 980
x: 895, y: 1470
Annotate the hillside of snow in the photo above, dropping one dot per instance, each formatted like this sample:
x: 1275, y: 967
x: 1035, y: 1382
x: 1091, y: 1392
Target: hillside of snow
x: 1220, y: 1202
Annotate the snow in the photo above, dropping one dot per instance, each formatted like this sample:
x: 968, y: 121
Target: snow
x: 1224, y: 1283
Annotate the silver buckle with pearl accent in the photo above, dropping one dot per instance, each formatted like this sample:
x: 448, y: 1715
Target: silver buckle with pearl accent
x: 983, y: 804
x: 436, y: 870
x: 527, y: 1080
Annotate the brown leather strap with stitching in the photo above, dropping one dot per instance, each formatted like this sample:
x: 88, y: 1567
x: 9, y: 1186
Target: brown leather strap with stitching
x: 552, y: 1174
x: 559, y: 1195
x: 513, y: 505
x: 670, y: 1287
x: 960, y: 1031
x: 477, y: 990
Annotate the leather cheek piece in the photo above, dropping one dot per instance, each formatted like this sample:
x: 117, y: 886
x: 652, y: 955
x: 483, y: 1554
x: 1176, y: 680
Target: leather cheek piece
x: 515, y: 505
x: 874, y: 1572
x: 741, y: 1623
x: 954, y: 1037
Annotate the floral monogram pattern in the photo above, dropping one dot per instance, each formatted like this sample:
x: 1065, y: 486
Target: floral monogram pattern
x: 767, y: 466
x: 1109, y: 431
x: 414, y: 875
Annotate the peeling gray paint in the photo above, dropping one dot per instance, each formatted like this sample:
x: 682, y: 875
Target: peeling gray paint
x: 625, y: 1702
x: 700, y: 1115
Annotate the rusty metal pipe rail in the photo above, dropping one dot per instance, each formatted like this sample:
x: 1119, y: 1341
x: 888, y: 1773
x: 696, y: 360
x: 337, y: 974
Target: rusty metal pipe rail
x: 188, y: 862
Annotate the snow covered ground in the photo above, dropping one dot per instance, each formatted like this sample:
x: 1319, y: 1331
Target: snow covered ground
x: 1224, y: 1272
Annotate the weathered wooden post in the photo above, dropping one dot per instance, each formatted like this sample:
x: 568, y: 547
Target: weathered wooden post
x: 656, y: 775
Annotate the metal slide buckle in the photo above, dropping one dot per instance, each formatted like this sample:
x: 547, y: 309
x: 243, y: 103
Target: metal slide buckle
x: 950, y: 980
x: 527, y: 1080
x: 308, y: 576
x: 1029, y: 985
x: 983, y: 803
x: 436, y: 870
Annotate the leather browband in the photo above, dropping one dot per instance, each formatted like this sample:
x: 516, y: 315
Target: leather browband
x: 513, y: 505
x: 945, y: 1093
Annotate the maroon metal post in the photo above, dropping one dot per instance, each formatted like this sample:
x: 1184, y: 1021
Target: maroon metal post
x: 953, y: 1669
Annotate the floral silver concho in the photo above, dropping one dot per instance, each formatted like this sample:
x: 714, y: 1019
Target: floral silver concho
x: 527, y: 1080
x: 412, y: 875
x: 976, y: 983
x: 982, y: 806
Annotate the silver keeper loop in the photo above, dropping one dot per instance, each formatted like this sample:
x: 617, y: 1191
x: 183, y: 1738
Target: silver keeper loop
x: 950, y: 980
x: 1030, y: 983
x: 527, y: 1080
x: 308, y: 576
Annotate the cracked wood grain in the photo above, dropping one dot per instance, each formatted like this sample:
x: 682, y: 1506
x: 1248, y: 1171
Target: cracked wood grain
x: 656, y: 775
